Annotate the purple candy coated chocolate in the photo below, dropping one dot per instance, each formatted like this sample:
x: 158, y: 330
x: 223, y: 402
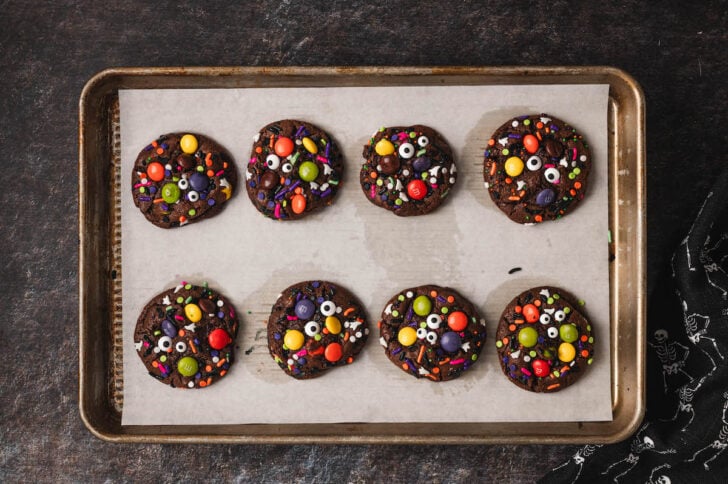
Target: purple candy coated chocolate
x: 305, y: 308
x: 169, y: 329
x: 545, y: 197
x: 422, y: 163
x: 199, y: 181
x: 450, y: 342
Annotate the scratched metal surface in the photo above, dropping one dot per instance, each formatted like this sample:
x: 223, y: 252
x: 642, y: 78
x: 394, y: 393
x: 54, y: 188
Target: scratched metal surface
x: 51, y: 49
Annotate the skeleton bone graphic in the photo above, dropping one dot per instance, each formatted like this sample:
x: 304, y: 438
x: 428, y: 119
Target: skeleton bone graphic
x: 579, y: 459
x: 685, y: 393
x: 668, y: 355
x: 696, y: 326
x: 662, y: 478
x: 638, y: 445
x: 720, y: 443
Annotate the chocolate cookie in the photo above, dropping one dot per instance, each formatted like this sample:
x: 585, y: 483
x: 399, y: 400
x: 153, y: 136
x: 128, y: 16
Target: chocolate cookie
x: 182, y: 178
x: 431, y: 331
x: 295, y: 169
x: 536, y: 168
x: 544, y: 342
x: 408, y: 170
x: 315, y: 326
x: 186, y: 336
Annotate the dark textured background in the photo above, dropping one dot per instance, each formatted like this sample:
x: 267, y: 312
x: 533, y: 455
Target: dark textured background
x: 49, y: 50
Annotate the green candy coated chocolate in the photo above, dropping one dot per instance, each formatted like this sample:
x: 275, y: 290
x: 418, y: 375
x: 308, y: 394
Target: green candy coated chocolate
x: 170, y: 192
x: 528, y: 337
x: 187, y: 366
x: 308, y: 171
x: 568, y: 333
x: 422, y: 305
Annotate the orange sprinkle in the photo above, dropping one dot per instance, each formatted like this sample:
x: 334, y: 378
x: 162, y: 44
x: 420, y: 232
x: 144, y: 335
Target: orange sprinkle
x: 577, y: 185
x: 192, y: 346
x: 492, y: 169
x: 373, y: 175
x: 572, y: 192
x: 445, y: 361
x: 518, y: 309
x: 555, y: 385
x: 518, y: 321
x: 512, y: 327
x: 514, y: 198
x: 346, y: 336
x: 222, y: 372
x: 155, y: 364
x: 221, y: 362
x: 258, y: 149
x: 208, y: 159
x: 350, y: 360
x: 509, y: 180
x: 431, y: 377
x: 547, y: 129
x: 505, y: 340
x: 537, y: 302
x: 202, y: 383
x: 564, y: 369
x: 208, y: 368
x: 436, y: 370
x: 348, y: 311
x: 405, y: 366
x: 155, y: 144
x: 209, y: 380
x: 538, y: 135
x: 451, y: 299
x: 539, y: 125
x: 584, y: 353
x: 158, y: 200
x: 584, y: 338
x: 224, y: 164
x: 210, y: 173
x: 272, y: 140
x: 160, y: 151
x: 182, y: 218
x: 283, y: 181
x: 521, y: 193
x: 491, y: 142
x: 181, y: 332
x: 538, y: 218
x: 379, y: 324
x: 325, y: 331
x: 422, y: 352
x: 433, y: 293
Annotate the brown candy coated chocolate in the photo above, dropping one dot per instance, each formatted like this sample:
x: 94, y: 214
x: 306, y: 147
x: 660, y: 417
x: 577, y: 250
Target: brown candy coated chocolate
x: 268, y: 180
x: 186, y: 162
x: 207, y: 306
x: 389, y: 165
x: 553, y: 148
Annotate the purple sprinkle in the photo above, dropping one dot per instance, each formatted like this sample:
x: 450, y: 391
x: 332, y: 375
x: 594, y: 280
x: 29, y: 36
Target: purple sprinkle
x: 396, y: 351
x: 226, y: 366
x: 214, y: 353
x: 320, y: 299
x: 198, y: 376
x: 315, y: 284
x: 326, y: 193
x: 411, y: 365
x: 145, y: 199
x: 277, y: 336
x: 486, y: 153
x: 394, y: 137
x: 287, y: 182
x: 302, y: 361
x: 152, y: 189
x: 211, y: 202
x: 165, y: 207
x: 271, y: 204
x: 203, y: 195
x: 197, y: 341
x: 328, y: 145
x: 441, y: 299
x: 220, y: 314
x: 384, y: 198
x: 300, y: 130
x: 148, y: 148
x: 299, y: 296
x: 280, y: 194
x: 261, y: 196
x: 514, y: 135
x: 554, y: 127
x: 251, y: 184
x: 165, y: 146
x: 298, y: 182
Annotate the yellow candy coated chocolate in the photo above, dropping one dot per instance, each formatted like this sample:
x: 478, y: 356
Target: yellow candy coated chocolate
x: 333, y: 325
x: 567, y: 352
x: 384, y: 147
x: 293, y: 339
x: 188, y: 143
x: 514, y: 166
x: 193, y: 312
x: 310, y: 145
x: 407, y: 336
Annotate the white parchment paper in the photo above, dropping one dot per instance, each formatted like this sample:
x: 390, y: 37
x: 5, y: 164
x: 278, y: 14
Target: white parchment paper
x: 467, y: 244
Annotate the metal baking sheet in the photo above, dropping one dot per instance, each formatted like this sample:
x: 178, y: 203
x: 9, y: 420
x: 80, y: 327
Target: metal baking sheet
x: 623, y: 108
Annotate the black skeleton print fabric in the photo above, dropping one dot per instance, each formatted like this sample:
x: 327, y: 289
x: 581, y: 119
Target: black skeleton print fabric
x: 684, y: 437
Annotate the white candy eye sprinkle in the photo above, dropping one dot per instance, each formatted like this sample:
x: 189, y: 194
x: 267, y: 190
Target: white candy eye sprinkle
x: 193, y: 196
x: 552, y: 332
x: 552, y: 175
x: 559, y: 315
x: 406, y: 150
x: 164, y: 343
x: 533, y: 163
x: 312, y: 328
x: 183, y: 184
x: 431, y: 337
x: 421, y: 333
x: 434, y: 321
x: 180, y: 346
x: 327, y: 308
x: 287, y: 168
x: 272, y: 161
x: 423, y: 141
x: 544, y: 318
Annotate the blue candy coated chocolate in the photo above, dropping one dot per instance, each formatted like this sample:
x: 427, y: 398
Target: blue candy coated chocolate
x: 545, y: 197
x: 305, y: 308
x: 450, y: 342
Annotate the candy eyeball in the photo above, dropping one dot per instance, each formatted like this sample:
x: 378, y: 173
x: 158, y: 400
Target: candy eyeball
x: 312, y: 328
x: 559, y: 315
x: 421, y: 333
x: 193, y: 196
x: 431, y: 337
x: 552, y: 332
x: 544, y: 318
x: 272, y: 161
x: 183, y: 184
x: 423, y: 141
x: 406, y: 150
x: 552, y: 175
x: 327, y: 308
x: 287, y: 168
x: 180, y: 346
x: 434, y: 321
x: 533, y: 163
x: 164, y: 343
